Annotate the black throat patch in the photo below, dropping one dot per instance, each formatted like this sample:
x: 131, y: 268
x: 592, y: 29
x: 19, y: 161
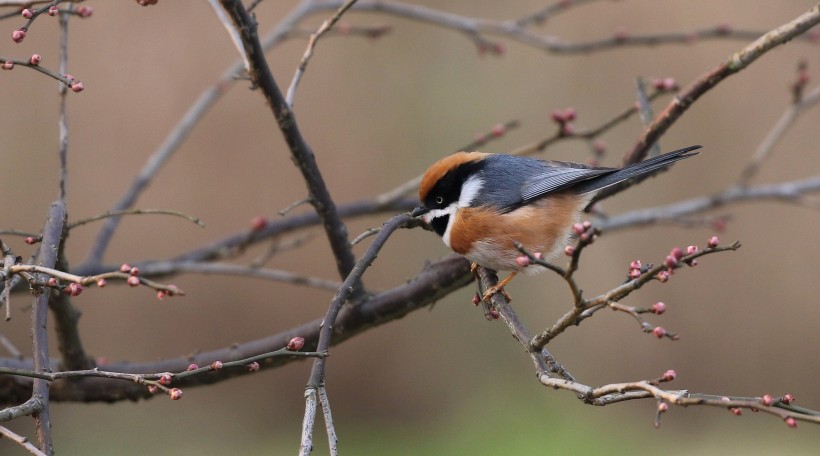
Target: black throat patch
x: 439, y: 224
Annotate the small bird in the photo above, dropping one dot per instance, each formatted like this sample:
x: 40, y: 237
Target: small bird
x: 481, y: 204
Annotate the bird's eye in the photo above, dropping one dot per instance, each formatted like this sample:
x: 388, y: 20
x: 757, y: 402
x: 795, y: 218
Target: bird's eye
x: 439, y: 200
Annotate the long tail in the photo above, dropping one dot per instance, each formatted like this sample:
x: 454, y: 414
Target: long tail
x: 638, y: 169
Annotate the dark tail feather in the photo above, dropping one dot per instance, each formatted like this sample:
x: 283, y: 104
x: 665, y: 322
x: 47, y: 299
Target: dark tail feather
x: 638, y: 169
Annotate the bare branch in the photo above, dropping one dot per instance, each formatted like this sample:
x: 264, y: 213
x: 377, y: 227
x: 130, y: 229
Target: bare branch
x: 300, y: 151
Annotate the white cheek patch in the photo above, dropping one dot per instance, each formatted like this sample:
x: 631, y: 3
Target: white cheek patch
x: 469, y: 190
x: 449, y: 211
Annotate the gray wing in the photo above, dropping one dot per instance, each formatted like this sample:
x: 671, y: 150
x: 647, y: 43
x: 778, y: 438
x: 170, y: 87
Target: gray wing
x: 557, y: 176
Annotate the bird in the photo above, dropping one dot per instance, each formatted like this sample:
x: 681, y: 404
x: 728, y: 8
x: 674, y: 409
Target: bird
x: 483, y: 204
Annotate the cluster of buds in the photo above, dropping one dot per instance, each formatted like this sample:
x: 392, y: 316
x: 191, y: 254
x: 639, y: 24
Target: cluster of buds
x: 636, y: 268
x: 564, y: 119
x: 524, y: 260
x: 584, y: 231
x: 75, y: 85
x: 134, y: 272
x: 665, y: 84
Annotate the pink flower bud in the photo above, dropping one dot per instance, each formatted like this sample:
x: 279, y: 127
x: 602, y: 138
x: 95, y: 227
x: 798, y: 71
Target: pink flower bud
x: 73, y: 289
x: 670, y: 261
x: 634, y: 273
x: 658, y: 308
x: 192, y: 367
x: 493, y: 315
x: 27, y: 13
x: 570, y: 114
x: 736, y: 411
x: 165, y: 379
x: 724, y: 28
x: 53, y: 11
x: 522, y: 261
x: 258, y: 223
x: 476, y: 299
x: 669, y: 375
x: 31, y: 240
x: 569, y: 250
x: 767, y: 399
x: 18, y: 35
x: 101, y: 283
x: 135, y: 271
x: 663, y: 407
x: 713, y: 242
x: 659, y: 332
x: 253, y: 367
x: 153, y: 389
x: 133, y: 281
x: 35, y: 59
x: 77, y: 87
x: 676, y: 252
x: 175, y: 394
x: 160, y: 295
x: 498, y: 130
x: 296, y: 343
x: 125, y: 267
x: 663, y: 276
x: 8, y: 65
x: 787, y: 399
x: 691, y: 249
x: 216, y: 365
x: 85, y: 11
x: 791, y: 422
x: 52, y: 282
x: 635, y: 264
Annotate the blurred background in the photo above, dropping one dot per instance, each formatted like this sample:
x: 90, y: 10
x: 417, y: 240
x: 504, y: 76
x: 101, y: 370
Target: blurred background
x: 377, y: 112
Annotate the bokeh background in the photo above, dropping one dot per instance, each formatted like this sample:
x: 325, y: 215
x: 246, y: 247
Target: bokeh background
x: 377, y: 112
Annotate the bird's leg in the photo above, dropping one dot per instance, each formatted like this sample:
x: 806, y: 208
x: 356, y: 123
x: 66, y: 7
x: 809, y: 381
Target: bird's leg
x: 499, y: 288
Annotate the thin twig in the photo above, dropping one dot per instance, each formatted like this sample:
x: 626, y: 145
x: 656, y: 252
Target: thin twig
x: 117, y: 213
x: 314, y: 38
x: 776, y: 133
x: 332, y: 440
x: 24, y: 442
x: 317, y: 374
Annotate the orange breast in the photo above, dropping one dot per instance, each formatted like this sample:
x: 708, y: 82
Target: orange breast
x: 488, y: 238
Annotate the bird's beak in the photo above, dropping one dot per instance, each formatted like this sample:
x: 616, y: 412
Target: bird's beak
x: 419, y: 210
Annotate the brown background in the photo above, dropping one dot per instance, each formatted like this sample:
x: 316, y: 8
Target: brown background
x: 376, y: 113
